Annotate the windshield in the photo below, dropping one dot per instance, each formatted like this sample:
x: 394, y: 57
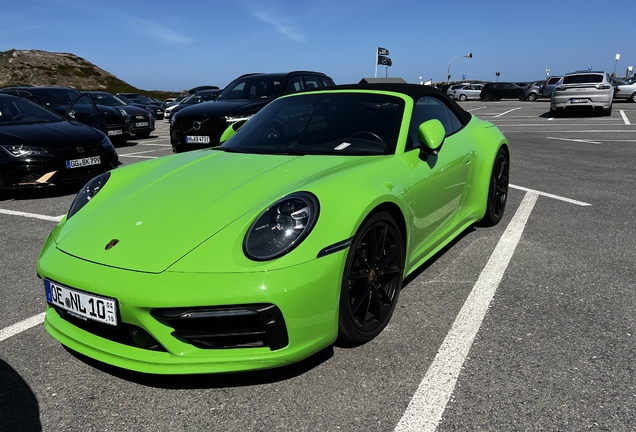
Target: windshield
x: 56, y: 96
x: 107, y: 99
x: 21, y: 111
x: 198, y: 97
x: 253, y: 87
x: 323, y: 124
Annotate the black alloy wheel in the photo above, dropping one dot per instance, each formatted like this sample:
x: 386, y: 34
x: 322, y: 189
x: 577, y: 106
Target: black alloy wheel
x: 497, y: 190
x: 372, y: 279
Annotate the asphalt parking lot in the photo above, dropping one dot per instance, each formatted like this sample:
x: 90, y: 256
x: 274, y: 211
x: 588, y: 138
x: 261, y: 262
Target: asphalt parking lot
x: 529, y: 325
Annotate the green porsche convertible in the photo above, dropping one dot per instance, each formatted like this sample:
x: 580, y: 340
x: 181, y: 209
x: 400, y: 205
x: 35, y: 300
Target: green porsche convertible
x: 296, y: 231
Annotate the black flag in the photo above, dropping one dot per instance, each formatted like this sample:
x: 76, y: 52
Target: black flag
x: 384, y: 61
x: 383, y: 51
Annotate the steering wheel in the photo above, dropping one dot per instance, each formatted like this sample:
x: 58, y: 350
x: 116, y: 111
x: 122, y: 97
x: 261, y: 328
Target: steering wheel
x: 375, y: 137
x: 19, y: 117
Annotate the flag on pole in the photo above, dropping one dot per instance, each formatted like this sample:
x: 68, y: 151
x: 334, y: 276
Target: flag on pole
x: 383, y: 51
x: 384, y: 61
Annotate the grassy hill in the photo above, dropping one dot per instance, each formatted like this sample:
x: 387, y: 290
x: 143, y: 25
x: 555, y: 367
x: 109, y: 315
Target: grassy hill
x: 42, y: 68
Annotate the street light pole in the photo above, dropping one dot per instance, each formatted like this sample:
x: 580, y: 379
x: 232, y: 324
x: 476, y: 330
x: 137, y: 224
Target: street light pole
x: 448, y: 76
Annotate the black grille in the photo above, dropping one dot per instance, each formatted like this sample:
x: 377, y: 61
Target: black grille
x: 126, y: 334
x: 244, y: 326
x: 207, y: 126
x: 78, y: 151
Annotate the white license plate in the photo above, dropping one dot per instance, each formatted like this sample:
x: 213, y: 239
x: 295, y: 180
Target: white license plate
x: 115, y: 132
x: 578, y: 100
x: 78, y: 163
x: 141, y: 124
x: 197, y: 139
x: 80, y: 304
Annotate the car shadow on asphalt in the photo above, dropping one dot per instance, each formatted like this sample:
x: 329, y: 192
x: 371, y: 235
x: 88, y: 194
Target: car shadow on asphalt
x: 205, y: 381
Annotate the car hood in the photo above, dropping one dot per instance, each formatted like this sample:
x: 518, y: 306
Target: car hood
x: 162, y: 209
x: 55, y: 134
x: 220, y: 108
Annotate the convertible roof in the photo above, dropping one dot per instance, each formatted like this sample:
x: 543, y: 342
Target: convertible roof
x: 415, y: 91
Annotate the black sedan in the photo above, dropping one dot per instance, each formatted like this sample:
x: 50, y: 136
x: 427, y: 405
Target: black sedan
x: 39, y: 148
x: 142, y: 122
x: 66, y: 101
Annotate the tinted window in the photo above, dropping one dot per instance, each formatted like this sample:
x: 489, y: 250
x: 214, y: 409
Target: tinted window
x: 428, y: 108
x: 18, y: 110
x: 53, y: 97
x: 583, y: 79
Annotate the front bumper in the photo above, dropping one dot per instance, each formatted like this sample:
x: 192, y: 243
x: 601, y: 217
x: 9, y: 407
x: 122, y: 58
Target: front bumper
x: 305, y: 295
x: 39, y: 173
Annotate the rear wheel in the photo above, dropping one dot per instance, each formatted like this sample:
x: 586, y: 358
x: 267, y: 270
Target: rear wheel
x: 487, y: 97
x: 632, y: 98
x: 372, y: 279
x: 3, y: 192
x: 462, y: 97
x: 522, y: 97
x: 608, y: 112
x: 497, y: 190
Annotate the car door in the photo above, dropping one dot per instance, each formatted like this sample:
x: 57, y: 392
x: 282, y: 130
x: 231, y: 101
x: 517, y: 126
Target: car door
x: 446, y: 173
x: 84, y: 110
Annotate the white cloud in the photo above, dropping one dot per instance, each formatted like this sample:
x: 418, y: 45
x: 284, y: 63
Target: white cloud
x: 281, y: 23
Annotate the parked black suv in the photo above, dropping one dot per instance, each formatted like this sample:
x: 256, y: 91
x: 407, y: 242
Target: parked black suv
x: 201, y: 125
x: 501, y: 90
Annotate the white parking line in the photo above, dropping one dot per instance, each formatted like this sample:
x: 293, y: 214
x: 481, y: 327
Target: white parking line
x: 425, y: 410
x: 506, y: 112
x: 14, y: 329
x: 32, y: 215
x: 575, y: 140
x: 625, y: 119
x: 549, y: 195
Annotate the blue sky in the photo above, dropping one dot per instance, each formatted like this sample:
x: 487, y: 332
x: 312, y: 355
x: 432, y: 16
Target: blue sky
x: 179, y: 44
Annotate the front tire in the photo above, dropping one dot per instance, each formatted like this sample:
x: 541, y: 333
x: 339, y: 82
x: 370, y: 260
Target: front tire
x: 372, y: 279
x: 632, y: 98
x: 497, y: 189
x: 462, y: 97
x: 532, y: 97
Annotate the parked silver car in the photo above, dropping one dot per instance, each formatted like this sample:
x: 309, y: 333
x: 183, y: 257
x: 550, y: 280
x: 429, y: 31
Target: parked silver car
x: 470, y: 91
x: 548, y: 86
x: 625, y: 90
x: 454, y: 87
x: 532, y: 91
x: 582, y: 91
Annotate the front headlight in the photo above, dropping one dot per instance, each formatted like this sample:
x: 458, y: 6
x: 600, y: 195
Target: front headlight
x: 88, y: 192
x: 282, y: 227
x: 233, y: 119
x: 24, y: 151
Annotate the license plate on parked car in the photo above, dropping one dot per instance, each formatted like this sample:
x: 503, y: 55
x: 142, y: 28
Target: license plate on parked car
x: 115, y: 132
x: 78, y: 163
x: 197, y: 139
x: 80, y: 304
x: 578, y: 100
x: 141, y: 124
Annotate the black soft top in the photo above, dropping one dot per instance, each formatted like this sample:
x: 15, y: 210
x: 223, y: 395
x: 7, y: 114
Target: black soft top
x: 414, y: 91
